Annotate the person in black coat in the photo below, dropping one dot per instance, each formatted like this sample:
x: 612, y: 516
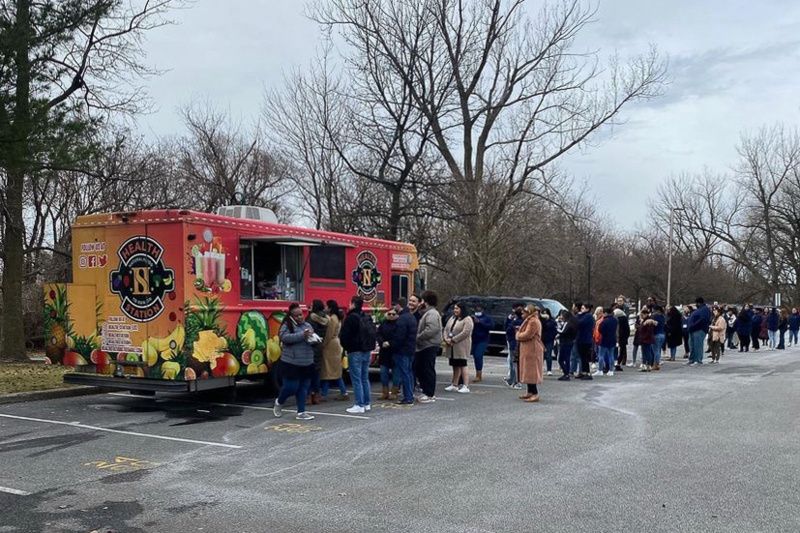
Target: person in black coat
x: 674, y: 330
x: 386, y: 334
x: 744, y: 328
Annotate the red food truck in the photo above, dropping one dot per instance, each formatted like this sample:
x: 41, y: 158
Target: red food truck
x: 176, y: 300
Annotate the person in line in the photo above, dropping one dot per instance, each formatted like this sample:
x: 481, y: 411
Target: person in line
x: 331, y: 367
x: 657, y: 314
x: 730, y: 332
x: 319, y: 321
x: 429, y: 338
x: 755, y: 331
x: 531, y: 353
x: 359, y: 338
x: 637, y: 341
x: 296, y: 362
x: 386, y: 333
x: 647, y: 338
x: 718, y: 327
x: 457, y: 337
x: 608, y: 341
x: 566, y: 343
x: 687, y: 312
x: 794, y: 326
x: 744, y: 328
x: 598, y: 317
x: 549, y: 332
x: 623, y: 334
x: 585, y: 339
x: 403, y: 345
x: 413, y: 306
x: 783, y: 325
x: 773, y: 323
x: 699, y: 322
x: 481, y: 326
x: 512, y: 325
x: 674, y: 331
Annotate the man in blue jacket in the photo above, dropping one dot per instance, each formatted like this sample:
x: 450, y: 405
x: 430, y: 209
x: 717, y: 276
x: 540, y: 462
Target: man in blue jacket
x: 585, y: 338
x: 482, y: 325
x: 608, y: 341
x: 755, y: 328
x: 699, y: 322
x: 404, y: 344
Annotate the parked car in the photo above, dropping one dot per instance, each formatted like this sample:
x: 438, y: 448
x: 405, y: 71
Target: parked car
x: 498, y: 308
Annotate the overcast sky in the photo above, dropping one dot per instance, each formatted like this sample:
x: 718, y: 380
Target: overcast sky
x: 733, y: 69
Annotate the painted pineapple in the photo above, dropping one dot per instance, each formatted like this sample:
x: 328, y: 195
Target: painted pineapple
x: 57, y: 325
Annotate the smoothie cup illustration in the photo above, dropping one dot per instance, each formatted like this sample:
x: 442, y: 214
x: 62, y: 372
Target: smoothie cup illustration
x: 219, y: 266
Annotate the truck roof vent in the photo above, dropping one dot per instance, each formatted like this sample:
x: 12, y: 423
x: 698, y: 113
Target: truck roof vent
x: 250, y: 212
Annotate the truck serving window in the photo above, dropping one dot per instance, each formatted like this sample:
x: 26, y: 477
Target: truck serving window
x: 328, y: 262
x: 270, y: 271
x: 399, y: 286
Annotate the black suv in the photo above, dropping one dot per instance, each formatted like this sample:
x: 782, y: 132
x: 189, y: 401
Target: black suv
x: 498, y: 308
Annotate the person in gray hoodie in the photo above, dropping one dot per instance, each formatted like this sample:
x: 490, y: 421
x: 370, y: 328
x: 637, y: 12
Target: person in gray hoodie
x: 429, y: 340
x: 297, y: 361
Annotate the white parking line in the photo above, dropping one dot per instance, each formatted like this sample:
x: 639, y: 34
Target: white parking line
x: 254, y: 407
x: 121, y: 432
x: 437, y: 398
x: 479, y: 385
x: 15, y: 491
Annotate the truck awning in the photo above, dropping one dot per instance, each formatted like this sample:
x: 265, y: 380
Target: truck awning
x: 289, y: 240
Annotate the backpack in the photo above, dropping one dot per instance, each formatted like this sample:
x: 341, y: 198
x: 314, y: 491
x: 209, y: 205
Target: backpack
x: 367, y: 333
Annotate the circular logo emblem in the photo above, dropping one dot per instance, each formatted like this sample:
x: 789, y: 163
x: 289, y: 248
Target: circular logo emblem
x: 366, y: 275
x: 142, y: 280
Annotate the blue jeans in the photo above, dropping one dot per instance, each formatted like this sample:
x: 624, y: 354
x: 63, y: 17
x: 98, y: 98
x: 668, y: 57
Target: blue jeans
x: 673, y: 352
x: 575, y: 359
x: 548, y: 355
x: 564, y: 356
x: 661, y: 338
x: 697, y: 340
x: 793, y: 336
x: 478, y: 351
x: 773, y: 338
x: 636, y: 352
x: 388, y: 373
x: 297, y: 388
x: 402, y: 369
x: 512, y: 366
x: 325, y: 386
x: 359, y: 375
x: 605, y: 357
x: 648, y: 355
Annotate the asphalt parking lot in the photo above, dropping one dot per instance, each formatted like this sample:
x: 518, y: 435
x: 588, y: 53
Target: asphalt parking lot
x: 691, y: 449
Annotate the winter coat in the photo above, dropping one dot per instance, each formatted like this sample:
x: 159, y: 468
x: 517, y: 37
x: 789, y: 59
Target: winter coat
x: 585, y: 328
x: 624, y: 326
x: 794, y: 322
x: 570, y: 331
x: 531, y: 351
x: 773, y: 321
x: 674, y: 330
x: 386, y: 332
x: 481, y: 326
x: 320, y: 325
x: 755, y: 324
x: 608, y: 331
x: 331, y: 367
x: 429, y: 330
x: 700, y: 319
x: 513, y: 323
x: 296, y: 350
x: 744, y: 322
x: 549, y: 331
x: 460, y: 333
x: 404, y: 341
x: 350, y: 335
x: 718, y: 327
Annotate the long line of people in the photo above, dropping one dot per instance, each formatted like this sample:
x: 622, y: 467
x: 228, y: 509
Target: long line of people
x: 585, y: 343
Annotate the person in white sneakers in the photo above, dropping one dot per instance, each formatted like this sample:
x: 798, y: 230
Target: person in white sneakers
x: 457, y: 338
x: 296, y: 362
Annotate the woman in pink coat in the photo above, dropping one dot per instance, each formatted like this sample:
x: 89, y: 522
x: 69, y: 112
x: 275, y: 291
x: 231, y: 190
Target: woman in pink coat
x: 531, y: 352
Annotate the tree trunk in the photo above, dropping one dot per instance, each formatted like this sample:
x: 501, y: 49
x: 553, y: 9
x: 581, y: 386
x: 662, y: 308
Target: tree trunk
x: 18, y: 162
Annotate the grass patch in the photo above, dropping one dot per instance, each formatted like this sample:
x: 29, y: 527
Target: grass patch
x: 25, y: 377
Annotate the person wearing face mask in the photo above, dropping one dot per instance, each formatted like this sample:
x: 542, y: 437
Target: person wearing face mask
x: 481, y: 326
x: 549, y: 332
x: 513, y: 323
x: 296, y: 362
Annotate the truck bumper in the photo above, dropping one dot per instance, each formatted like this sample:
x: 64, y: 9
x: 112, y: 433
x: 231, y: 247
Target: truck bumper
x: 145, y: 384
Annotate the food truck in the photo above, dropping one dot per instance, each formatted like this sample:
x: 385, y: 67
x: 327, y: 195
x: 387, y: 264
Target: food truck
x: 177, y: 300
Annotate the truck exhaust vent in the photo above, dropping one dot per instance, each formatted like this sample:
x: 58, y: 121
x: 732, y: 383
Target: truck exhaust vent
x: 249, y: 212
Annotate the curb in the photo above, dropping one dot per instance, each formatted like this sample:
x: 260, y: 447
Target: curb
x: 51, y: 394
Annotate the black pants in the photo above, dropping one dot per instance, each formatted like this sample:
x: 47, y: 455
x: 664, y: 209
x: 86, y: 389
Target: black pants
x: 730, y: 334
x: 564, y: 356
x: 686, y: 341
x: 756, y: 344
x: 585, y: 352
x: 782, y: 343
x: 623, y: 351
x: 532, y: 388
x: 425, y: 369
x: 744, y: 341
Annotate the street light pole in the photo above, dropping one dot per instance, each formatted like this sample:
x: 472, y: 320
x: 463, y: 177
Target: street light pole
x: 669, y: 256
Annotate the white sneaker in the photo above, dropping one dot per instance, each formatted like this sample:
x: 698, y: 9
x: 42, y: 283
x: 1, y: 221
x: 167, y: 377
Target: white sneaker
x: 427, y: 399
x: 464, y: 389
x: 451, y: 388
x: 517, y: 386
x: 277, y: 409
x: 629, y: 365
x: 597, y: 373
x: 593, y: 366
x: 355, y: 410
x: 367, y: 408
x: 304, y: 416
x: 549, y: 373
x: 610, y: 372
